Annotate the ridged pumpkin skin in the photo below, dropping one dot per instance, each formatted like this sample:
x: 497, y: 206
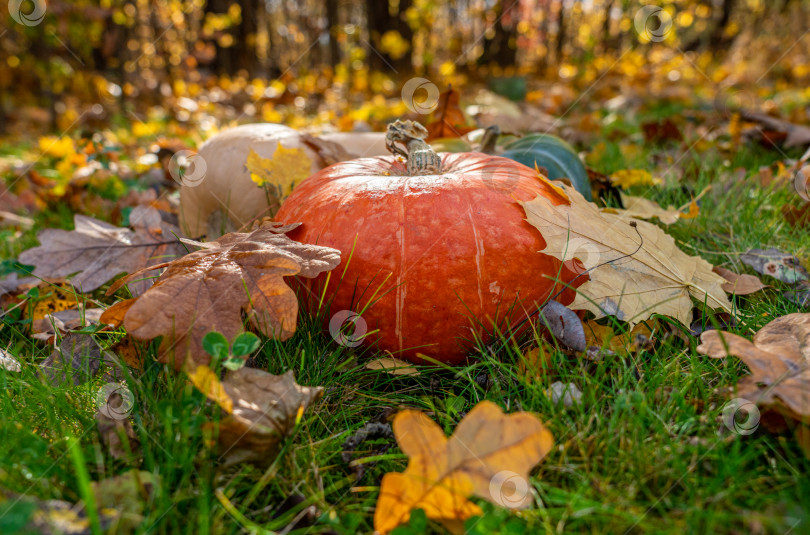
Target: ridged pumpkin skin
x: 431, y: 252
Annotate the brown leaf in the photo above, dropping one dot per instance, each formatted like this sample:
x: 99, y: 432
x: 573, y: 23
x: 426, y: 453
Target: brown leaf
x: 98, y: 251
x: 209, y: 289
x: 779, y: 360
x: 794, y: 135
x: 797, y: 216
x: 489, y: 454
x: 64, y: 320
x: 636, y: 269
x: 263, y: 408
x: 76, y: 360
x: 739, y: 284
x: 773, y: 262
x: 392, y: 365
x: 448, y: 119
x: 660, y: 131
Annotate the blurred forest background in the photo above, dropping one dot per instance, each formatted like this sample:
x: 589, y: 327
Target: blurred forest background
x: 79, y: 63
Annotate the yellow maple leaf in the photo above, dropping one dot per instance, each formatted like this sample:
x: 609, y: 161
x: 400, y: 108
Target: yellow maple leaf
x: 281, y: 172
x: 489, y: 455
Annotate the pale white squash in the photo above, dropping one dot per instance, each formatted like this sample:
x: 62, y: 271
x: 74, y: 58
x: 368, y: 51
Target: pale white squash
x: 359, y: 144
x: 226, y: 199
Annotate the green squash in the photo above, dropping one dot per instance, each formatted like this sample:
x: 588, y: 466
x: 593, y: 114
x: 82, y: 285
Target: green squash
x: 551, y: 152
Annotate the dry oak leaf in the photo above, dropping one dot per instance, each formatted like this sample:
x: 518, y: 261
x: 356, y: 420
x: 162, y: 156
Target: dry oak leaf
x: 262, y: 409
x: 739, y: 284
x: 208, y: 289
x: 98, y: 251
x: 779, y: 360
x: 636, y: 268
x: 489, y: 453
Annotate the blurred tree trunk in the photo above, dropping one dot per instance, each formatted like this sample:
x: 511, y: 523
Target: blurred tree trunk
x: 332, y: 23
x: 501, y: 47
x: 242, y: 53
x: 717, y: 38
x: 560, y: 32
x: 382, y: 17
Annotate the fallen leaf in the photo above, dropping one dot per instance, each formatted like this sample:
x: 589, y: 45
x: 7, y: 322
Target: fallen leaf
x: 797, y: 135
x: 739, y: 284
x: 8, y: 362
x: 280, y: 173
x: 488, y: 450
x: 775, y: 263
x: 207, y: 382
x: 641, y: 336
x: 641, y: 208
x: 13, y: 284
x: 76, y: 360
x: 635, y: 268
x: 393, y: 366
x: 51, y: 517
x: 535, y: 364
x: 208, y: 290
x: 660, y: 131
x: 779, y: 360
x: 64, y: 320
x: 564, y: 324
x: 797, y: 216
x: 98, y: 251
x: 627, y: 178
x: 262, y: 409
x: 52, y: 298
x: 448, y: 119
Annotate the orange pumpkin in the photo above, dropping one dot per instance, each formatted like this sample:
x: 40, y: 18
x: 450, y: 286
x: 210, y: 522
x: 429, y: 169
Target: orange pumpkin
x: 430, y: 262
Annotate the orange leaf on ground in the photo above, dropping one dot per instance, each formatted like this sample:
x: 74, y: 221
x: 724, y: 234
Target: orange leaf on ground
x: 489, y: 455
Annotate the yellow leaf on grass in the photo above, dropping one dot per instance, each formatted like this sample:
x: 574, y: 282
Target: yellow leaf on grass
x: 628, y: 178
x: 636, y: 269
x: 208, y: 383
x: 489, y: 455
x: 285, y: 169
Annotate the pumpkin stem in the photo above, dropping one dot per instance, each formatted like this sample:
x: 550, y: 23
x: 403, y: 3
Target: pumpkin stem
x: 489, y: 139
x: 407, y: 139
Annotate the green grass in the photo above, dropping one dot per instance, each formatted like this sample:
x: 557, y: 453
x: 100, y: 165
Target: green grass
x: 642, y: 453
